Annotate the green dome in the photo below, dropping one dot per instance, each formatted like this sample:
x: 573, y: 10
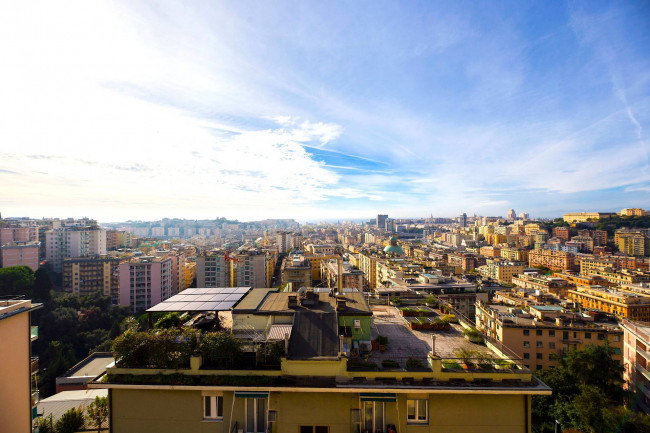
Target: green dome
x: 394, y: 249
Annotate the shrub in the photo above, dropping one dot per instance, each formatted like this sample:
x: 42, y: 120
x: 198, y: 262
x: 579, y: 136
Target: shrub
x: 472, y: 333
x: 414, y: 363
x: 396, y: 300
x: 220, y: 349
x: 389, y: 363
x: 158, y: 348
x: 382, y: 340
x: 449, y: 318
x: 431, y: 301
x: 70, y: 422
x: 169, y: 320
x: 453, y: 365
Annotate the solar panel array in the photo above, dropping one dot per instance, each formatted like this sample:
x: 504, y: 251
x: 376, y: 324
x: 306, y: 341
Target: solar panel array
x: 204, y: 299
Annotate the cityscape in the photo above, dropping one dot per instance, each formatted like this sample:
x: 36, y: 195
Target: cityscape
x: 396, y: 323
x: 325, y: 217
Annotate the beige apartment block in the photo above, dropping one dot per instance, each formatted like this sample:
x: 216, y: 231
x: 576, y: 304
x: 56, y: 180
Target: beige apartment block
x: 17, y: 366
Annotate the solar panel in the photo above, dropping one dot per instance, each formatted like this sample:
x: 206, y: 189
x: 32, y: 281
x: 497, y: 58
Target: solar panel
x: 203, y: 299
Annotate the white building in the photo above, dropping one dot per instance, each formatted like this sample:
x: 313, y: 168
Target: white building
x: 67, y: 242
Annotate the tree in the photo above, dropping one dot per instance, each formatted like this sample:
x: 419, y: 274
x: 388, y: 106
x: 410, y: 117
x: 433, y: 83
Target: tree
x: 70, y: 422
x: 16, y: 280
x: 98, y: 412
x: 42, y: 285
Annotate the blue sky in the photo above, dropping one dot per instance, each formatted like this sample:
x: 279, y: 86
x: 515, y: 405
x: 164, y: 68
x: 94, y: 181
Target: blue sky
x: 314, y: 110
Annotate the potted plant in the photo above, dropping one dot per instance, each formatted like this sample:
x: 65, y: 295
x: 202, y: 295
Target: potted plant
x: 473, y: 335
x: 451, y: 365
x: 382, y: 341
x: 467, y: 357
x: 414, y: 364
x: 431, y: 301
x: 389, y: 364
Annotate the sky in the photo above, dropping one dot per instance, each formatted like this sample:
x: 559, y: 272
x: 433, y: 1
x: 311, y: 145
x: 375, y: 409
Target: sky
x: 318, y: 110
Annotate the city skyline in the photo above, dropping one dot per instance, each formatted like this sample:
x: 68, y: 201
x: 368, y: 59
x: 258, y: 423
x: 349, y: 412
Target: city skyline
x: 121, y: 110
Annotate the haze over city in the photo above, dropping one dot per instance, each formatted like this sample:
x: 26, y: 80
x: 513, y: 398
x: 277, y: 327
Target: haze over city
x: 126, y: 110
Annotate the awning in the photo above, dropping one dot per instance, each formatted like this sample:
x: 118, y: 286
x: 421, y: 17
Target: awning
x: 378, y: 396
x: 251, y: 394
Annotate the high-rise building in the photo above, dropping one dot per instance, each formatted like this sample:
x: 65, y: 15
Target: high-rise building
x: 67, y: 242
x: 145, y: 282
x: 212, y: 269
x: 462, y: 219
x: 512, y: 214
x: 381, y: 221
x: 86, y: 275
x: 283, y: 240
x: 248, y: 269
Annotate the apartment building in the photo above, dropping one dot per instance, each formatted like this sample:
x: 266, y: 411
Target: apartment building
x: 67, y: 242
x: 632, y: 243
x: 501, y: 270
x: 562, y: 233
x: 248, y: 269
x: 351, y: 276
x: 517, y: 254
x: 212, y: 269
x: 87, y: 275
x: 622, y: 303
x: 636, y: 360
x: 145, y: 282
x: 317, y: 260
x: 296, y: 272
x: 633, y: 211
x: 18, y: 233
x: 554, y: 260
x: 368, y: 265
x: 18, y: 397
x: 283, y: 240
x: 552, y: 285
x: 540, y: 335
x: 317, y: 387
x: 20, y: 254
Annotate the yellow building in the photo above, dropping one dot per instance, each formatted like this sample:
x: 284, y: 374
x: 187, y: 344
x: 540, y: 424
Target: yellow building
x: 632, y: 243
x: 17, y: 366
x: 633, y: 211
x: 296, y: 272
x: 516, y: 254
x: 581, y: 217
x: 368, y: 264
x: 623, y: 303
x: 501, y: 271
x: 316, y: 260
x: 540, y: 336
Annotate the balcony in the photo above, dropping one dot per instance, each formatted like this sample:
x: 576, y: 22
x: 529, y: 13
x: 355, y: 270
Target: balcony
x: 643, y: 371
x: 33, y: 333
x: 34, y: 364
x: 643, y: 353
x: 36, y: 397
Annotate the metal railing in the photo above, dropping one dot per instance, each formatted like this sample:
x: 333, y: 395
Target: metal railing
x: 33, y: 332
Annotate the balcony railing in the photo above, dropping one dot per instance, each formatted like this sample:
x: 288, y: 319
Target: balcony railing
x: 33, y: 333
x: 34, y: 364
x: 643, y: 353
x: 643, y: 371
x: 36, y: 397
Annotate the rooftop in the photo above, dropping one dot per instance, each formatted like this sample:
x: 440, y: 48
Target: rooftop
x: 278, y: 302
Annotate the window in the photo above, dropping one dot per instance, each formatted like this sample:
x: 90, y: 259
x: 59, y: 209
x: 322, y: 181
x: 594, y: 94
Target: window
x: 526, y: 332
x: 538, y: 332
x: 540, y: 344
x: 551, y: 345
x: 526, y: 343
x: 587, y: 335
x: 526, y: 355
x: 212, y: 407
x: 540, y: 356
x: 417, y: 410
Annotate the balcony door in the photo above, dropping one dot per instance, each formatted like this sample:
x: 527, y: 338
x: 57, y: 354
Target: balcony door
x: 374, y: 416
x: 255, y: 415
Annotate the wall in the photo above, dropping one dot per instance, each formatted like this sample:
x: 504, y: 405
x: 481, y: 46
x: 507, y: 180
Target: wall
x: 15, y: 380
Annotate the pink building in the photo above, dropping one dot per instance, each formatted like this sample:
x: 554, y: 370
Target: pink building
x: 18, y: 234
x: 145, y: 282
x: 20, y: 254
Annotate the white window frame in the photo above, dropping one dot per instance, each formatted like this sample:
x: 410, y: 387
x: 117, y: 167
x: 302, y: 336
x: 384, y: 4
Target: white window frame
x: 417, y: 419
x: 214, y: 407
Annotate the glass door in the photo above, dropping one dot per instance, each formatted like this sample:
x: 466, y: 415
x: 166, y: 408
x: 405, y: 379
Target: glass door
x: 373, y: 416
x: 255, y: 415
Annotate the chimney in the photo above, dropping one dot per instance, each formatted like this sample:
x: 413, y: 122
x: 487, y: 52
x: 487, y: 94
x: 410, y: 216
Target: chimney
x: 292, y: 301
x: 341, y: 304
x: 286, y: 343
x: 433, y: 345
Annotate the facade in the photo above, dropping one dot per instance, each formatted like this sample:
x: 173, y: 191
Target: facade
x: 540, y: 336
x: 501, y: 271
x: 87, y: 275
x: 368, y: 265
x: 212, y: 269
x: 296, y: 272
x: 633, y: 211
x: 67, y: 242
x: 283, y: 240
x: 582, y: 217
x: 381, y: 221
x: 622, y: 303
x: 562, y: 233
x: 248, y: 269
x: 552, y: 285
x: 17, y: 365
x: 20, y: 254
x: 632, y: 243
x: 554, y: 260
x: 145, y: 282
x: 636, y: 353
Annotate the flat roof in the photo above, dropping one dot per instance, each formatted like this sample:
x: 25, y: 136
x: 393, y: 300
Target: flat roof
x: 60, y: 403
x: 253, y: 299
x: 203, y: 299
x: 279, y: 303
x: 90, y: 367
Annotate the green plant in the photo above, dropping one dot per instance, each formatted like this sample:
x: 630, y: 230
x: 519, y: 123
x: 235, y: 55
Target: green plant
x: 449, y: 318
x: 431, y: 301
x: 467, y: 356
x: 414, y: 363
x: 220, y: 349
x: 452, y: 365
x: 396, y: 300
x: 382, y: 340
x: 70, y: 422
x: 389, y: 363
x: 98, y: 412
x: 169, y: 320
